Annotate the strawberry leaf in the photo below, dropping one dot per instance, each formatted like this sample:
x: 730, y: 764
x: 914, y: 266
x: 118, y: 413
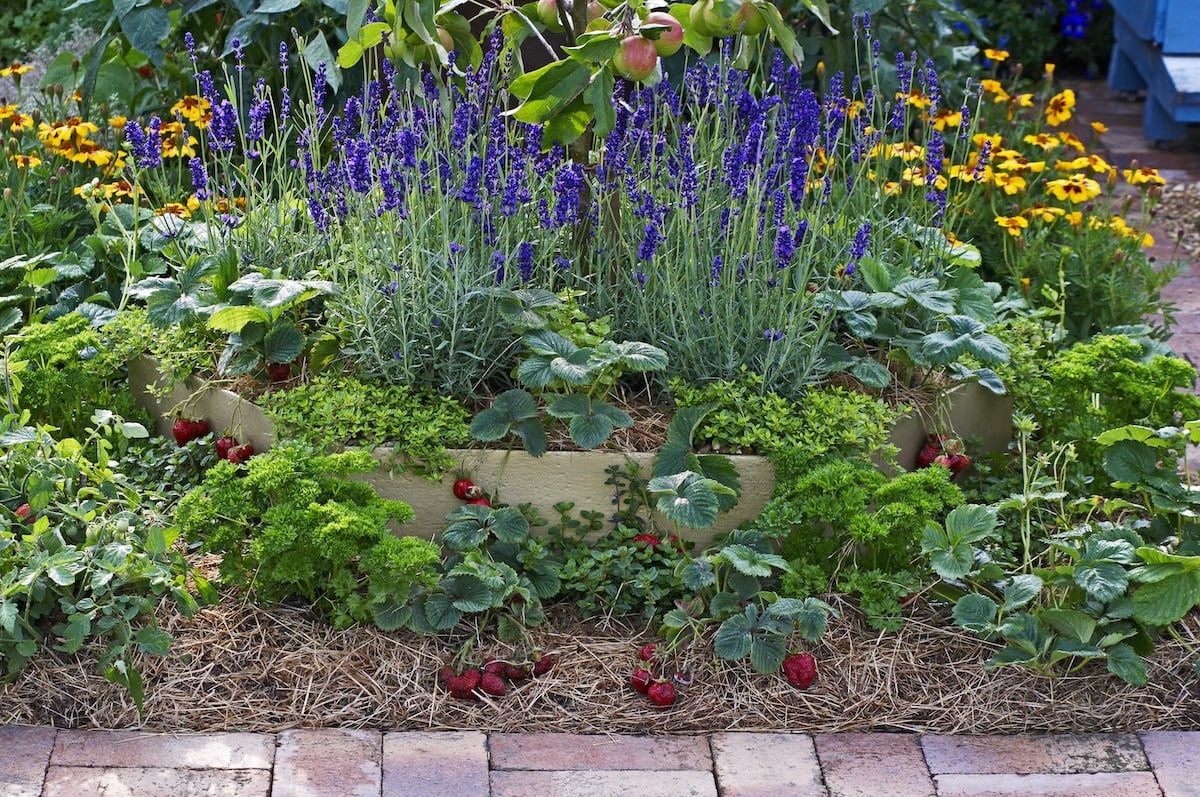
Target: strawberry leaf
x: 767, y: 653
x: 976, y: 613
x: 1127, y: 665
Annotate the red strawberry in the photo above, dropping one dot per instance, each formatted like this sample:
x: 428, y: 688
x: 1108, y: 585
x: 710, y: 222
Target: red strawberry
x: 459, y: 694
x: 279, y: 372
x: 647, y: 652
x: 647, y: 539
x: 479, y: 500
x: 464, y: 489
x: 493, y: 666
x: 661, y: 693
x: 959, y: 462
x: 240, y: 453
x: 185, y: 430
x: 543, y: 664
x: 684, y: 677
x: 446, y: 674
x: 491, y: 684
x: 465, y: 682
x: 640, y: 680
x: 800, y: 669
x: 515, y: 673
x: 942, y: 460
x: 224, y: 445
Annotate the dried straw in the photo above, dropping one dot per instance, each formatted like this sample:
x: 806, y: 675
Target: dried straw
x: 240, y: 667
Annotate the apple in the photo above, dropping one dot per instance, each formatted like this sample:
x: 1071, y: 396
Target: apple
x: 753, y: 21
x: 669, y: 41
x: 696, y: 19
x: 747, y: 19
x: 547, y: 11
x: 635, y: 59
x: 595, y: 11
x: 446, y: 39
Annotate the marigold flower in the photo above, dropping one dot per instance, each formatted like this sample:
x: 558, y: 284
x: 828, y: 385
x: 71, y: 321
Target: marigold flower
x: 1074, y: 218
x: 1073, y: 141
x: 1094, y: 162
x: 1143, y: 176
x: 1058, y: 110
x: 118, y: 122
x: 1048, y: 69
x: 25, y: 161
x: 20, y: 122
x: 1100, y: 128
x: 1024, y: 100
x: 914, y: 98
x: 195, y: 109
x: 992, y: 139
x: 906, y: 150
x: 173, y: 209
x: 16, y: 70
x: 1075, y: 189
x: 1010, y: 183
x: 1013, y: 225
x: 1046, y: 213
x: 1019, y: 164
x: 1045, y: 141
x: 921, y: 175
x: 7, y: 111
x: 999, y: 56
x: 994, y: 88
x: 945, y: 117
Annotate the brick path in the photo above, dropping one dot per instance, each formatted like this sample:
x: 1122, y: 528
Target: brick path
x: 43, y: 762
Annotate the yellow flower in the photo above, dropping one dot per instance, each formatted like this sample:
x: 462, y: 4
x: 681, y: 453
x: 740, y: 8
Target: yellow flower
x: 1049, y: 70
x: 1058, y: 110
x: 914, y: 98
x: 195, y: 109
x: 1024, y: 100
x: 1010, y: 183
x: 20, y: 122
x: 994, y: 87
x: 1100, y: 128
x: 1045, y: 212
x: 999, y: 56
x: 1076, y: 188
x: 970, y: 172
x: 7, y: 111
x: 945, y: 117
x: 1019, y: 164
x: 1093, y: 162
x: 892, y: 188
x: 1045, y: 141
x: 1012, y: 224
x: 1073, y: 141
x: 118, y: 122
x: 1143, y: 176
x: 906, y: 150
x: 994, y: 139
x: 25, y: 161
x: 15, y: 69
x: 1074, y: 218
x: 173, y: 209
x: 920, y: 175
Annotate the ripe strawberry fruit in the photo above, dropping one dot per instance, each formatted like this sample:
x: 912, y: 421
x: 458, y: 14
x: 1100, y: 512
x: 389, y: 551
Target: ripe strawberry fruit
x: 800, y: 669
x: 185, y: 430
x: 464, y: 682
x: 25, y: 512
x: 641, y: 679
x: 959, y: 462
x: 279, y: 372
x: 515, y: 672
x: 479, y: 500
x: 661, y: 694
x: 493, y: 666
x: 240, y: 454
x: 464, y: 489
x: 224, y: 445
x: 647, y: 652
x: 491, y: 684
x: 543, y: 664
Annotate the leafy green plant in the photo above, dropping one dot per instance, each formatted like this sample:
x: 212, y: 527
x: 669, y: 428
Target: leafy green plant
x: 919, y: 324
x: 291, y: 524
x: 492, y: 567
x: 82, y: 559
x: 335, y: 410
x: 728, y: 588
x: 63, y: 371
x: 574, y: 381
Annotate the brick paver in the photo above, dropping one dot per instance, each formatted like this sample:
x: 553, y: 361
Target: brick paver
x: 24, y: 756
x: 1027, y: 755
x: 593, y: 783
x: 766, y: 765
x: 435, y: 764
x: 1175, y: 757
x: 565, y: 751
x: 156, y: 782
x: 328, y: 763
x: 138, y: 749
x: 1104, y: 784
x: 874, y: 765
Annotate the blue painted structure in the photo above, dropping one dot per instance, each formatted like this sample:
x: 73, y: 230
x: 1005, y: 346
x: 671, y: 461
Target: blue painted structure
x: 1157, y: 49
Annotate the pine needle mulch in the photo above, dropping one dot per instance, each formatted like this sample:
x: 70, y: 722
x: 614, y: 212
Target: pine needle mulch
x: 236, y: 667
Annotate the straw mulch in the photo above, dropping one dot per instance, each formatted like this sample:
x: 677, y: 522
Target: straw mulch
x: 238, y: 667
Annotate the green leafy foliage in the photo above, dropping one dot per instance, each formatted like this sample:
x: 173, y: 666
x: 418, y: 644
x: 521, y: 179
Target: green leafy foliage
x: 83, y: 559
x: 64, y: 370
x: 291, y: 524
x: 333, y: 410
